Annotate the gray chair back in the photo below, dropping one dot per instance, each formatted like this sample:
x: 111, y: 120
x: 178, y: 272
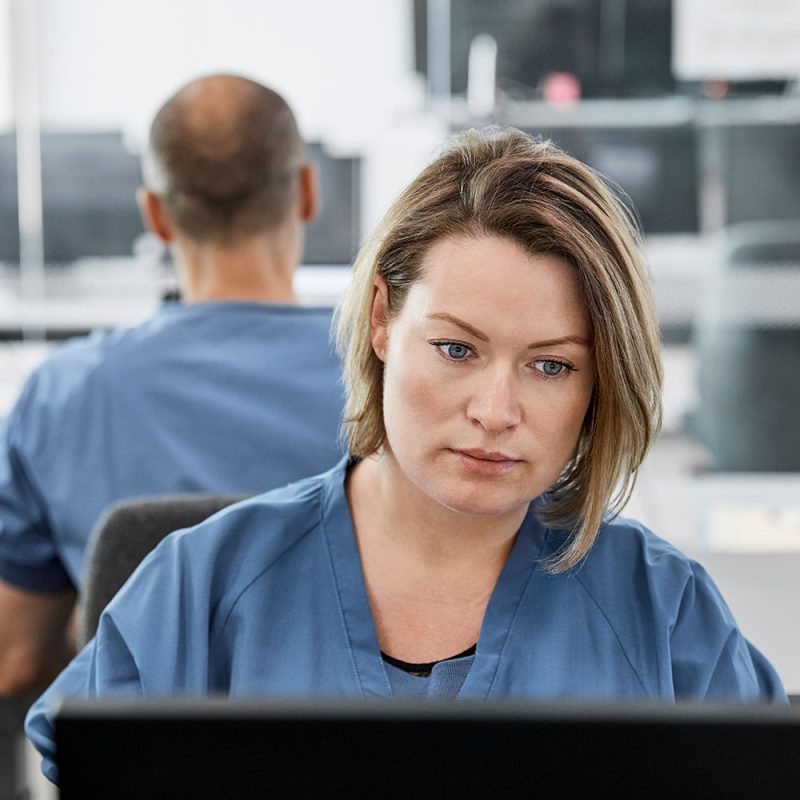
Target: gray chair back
x: 125, y: 534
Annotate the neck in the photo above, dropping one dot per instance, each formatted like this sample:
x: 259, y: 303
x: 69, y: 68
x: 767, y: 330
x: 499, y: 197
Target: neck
x: 429, y: 571
x: 397, y: 517
x: 258, y: 269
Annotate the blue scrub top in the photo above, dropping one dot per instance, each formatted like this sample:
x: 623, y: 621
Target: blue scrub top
x: 206, y: 397
x: 268, y: 598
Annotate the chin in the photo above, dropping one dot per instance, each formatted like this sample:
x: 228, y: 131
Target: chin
x: 482, y: 501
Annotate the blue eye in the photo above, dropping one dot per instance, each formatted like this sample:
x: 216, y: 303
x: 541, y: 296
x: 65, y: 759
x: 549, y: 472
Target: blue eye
x: 454, y: 350
x: 551, y: 368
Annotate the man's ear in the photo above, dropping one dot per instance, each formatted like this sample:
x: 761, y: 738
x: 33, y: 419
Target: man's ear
x: 379, y: 318
x: 309, y: 192
x: 154, y: 214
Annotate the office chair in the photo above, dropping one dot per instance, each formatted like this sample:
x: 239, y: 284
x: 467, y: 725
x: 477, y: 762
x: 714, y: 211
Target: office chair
x: 748, y: 351
x: 13, y: 783
x: 125, y: 534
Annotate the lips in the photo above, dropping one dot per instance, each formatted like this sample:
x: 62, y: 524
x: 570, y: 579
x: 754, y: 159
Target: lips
x: 486, y: 463
x: 485, y: 455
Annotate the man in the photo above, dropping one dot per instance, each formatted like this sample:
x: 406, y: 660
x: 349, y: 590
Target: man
x: 233, y: 390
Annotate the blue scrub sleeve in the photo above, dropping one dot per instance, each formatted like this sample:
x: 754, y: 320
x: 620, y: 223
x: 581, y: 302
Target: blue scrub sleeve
x: 712, y: 660
x: 28, y: 556
x: 153, y: 617
x: 84, y: 677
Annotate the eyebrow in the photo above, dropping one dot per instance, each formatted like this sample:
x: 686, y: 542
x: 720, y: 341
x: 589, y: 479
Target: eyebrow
x: 473, y: 331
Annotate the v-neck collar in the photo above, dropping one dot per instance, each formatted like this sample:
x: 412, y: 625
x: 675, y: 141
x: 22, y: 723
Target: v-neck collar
x: 521, y: 565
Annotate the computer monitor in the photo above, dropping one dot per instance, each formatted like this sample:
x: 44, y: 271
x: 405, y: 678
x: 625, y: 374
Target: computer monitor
x: 614, y: 49
x: 656, y: 167
x: 760, y: 166
x: 218, y: 748
x: 334, y: 236
x: 9, y: 209
x: 89, y: 183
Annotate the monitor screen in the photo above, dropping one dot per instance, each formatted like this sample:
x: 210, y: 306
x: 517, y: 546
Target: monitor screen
x: 89, y: 183
x: 760, y: 171
x: 333, y: 237
x: 655, y: 166
x: 207, y: 748
x: 9, y: 213
x: 613, y: 49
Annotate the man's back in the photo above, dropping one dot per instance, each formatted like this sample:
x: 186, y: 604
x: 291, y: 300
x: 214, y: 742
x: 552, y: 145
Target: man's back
x: 222, y: 397
x: 235, y: 391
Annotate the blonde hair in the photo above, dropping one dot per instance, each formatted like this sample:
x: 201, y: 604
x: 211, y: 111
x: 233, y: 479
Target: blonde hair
x: 502, y: 182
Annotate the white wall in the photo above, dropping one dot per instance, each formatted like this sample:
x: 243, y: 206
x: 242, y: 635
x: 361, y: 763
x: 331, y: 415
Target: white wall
x: 106, y: 63
x: 346, y: 67
x: 6, y: 104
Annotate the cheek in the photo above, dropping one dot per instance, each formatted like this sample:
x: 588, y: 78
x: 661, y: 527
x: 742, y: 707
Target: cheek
x: 418, y: 396
x: 410, y: 395
x: 562, y: 419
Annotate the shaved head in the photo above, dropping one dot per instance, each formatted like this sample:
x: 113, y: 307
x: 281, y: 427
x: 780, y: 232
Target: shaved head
x: 224, y: 154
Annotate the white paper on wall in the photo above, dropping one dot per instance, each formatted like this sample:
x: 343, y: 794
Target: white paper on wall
x: 736, y: 40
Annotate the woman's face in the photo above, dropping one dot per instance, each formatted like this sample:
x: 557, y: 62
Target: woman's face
x: 488, y: 373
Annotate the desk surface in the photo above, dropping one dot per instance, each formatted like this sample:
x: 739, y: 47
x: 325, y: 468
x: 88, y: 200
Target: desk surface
x: 102, y: 293
x: 677, y: 499
x: 110, y: 293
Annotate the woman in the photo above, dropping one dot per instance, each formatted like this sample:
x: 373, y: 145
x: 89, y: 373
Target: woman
x: 503, y: 375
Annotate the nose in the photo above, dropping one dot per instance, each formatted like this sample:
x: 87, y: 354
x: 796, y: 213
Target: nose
x: 495, y: 402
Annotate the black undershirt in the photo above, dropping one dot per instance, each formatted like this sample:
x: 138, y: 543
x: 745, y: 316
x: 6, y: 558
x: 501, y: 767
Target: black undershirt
x: 423, y: 670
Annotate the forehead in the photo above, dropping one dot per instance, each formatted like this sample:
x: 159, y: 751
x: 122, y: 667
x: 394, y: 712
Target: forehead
x: 491, y: 280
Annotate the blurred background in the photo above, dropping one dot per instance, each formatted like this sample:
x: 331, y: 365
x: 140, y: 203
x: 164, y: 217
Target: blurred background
x: 691, y: 108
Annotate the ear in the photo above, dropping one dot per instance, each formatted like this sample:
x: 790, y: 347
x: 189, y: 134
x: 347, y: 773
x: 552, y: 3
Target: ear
x: 309, y: 192
x: 154, y: 214
x: 379, y: 318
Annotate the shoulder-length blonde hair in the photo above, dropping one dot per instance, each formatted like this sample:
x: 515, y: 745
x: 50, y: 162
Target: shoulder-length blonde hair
x: 502, y: 182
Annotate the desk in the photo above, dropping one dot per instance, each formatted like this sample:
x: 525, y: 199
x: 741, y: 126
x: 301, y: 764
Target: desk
x: 675, y: 498
x: 763, y: 591
x: 109, y: 293
x: 104, y: 293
